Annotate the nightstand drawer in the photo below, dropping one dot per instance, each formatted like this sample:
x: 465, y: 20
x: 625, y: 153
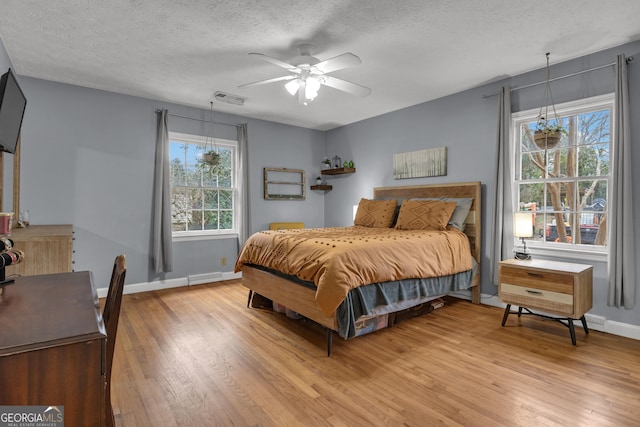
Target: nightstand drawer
x: 542, y: 280
x: 533, y: 297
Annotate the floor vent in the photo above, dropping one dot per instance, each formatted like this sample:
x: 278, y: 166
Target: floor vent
x: 592, y: 319
x: 198, y: 279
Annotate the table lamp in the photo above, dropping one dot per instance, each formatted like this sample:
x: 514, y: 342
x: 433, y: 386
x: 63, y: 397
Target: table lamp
x: 523, y: 227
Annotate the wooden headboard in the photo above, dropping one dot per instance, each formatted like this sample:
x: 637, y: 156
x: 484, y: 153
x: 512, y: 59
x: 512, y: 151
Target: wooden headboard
x: 459, y: 190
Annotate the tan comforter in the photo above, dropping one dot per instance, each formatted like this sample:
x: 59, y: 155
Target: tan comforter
x: 341, y: 258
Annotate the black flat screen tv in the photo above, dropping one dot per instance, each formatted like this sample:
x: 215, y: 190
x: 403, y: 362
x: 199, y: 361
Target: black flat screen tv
x: 12, y: 106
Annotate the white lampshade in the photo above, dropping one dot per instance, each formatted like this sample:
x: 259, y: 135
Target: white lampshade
x: 293, y: 86
x: 523, y: 224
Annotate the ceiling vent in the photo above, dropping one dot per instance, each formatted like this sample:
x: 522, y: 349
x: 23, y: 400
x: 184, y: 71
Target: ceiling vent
x: 229, y: 98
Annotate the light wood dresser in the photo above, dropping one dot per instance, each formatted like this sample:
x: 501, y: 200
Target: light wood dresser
x: 559, y: 288
x: 47, y: 249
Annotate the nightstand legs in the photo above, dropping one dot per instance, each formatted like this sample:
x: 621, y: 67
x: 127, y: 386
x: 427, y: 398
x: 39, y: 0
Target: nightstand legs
x: 569, y: 320
x: 572, y: 331
x: 506, y: 314
x: 584, y: 324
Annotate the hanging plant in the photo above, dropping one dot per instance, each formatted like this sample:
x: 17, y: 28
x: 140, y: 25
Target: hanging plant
x: 548, y: 132
x: 210, y: 156
x: 547, y: 135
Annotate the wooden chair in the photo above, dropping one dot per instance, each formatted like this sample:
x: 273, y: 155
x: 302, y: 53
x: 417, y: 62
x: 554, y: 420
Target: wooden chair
x: 110, y: 315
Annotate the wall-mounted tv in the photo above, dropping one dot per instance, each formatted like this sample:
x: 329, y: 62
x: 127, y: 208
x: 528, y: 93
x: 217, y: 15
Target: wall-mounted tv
x: 12, y: 106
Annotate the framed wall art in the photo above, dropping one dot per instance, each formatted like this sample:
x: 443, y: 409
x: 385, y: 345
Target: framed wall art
x: 421, y: 163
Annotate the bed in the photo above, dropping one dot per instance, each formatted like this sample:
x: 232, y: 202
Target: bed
x: 315, y: 291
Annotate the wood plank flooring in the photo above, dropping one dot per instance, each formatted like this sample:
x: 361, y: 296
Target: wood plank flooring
x: 197, y: 356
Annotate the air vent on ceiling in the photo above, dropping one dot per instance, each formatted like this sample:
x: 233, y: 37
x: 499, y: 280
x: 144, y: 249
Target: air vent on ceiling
x: 229, y: 98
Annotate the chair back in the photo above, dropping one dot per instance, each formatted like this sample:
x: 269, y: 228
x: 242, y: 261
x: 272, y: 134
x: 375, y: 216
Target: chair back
x: 110, y: 315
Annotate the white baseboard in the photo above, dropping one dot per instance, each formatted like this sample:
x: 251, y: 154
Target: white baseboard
x: 597, y: 323
x: 174, y: 283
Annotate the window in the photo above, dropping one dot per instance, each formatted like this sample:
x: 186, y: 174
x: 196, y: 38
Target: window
x: 203, y: 196
x: 566, y: 187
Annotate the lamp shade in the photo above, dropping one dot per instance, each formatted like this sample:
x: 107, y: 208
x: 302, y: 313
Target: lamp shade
x: 293, y: 86
x: 523, y: 224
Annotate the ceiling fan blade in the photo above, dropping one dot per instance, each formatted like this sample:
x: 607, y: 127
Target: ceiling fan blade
x: 338, y: 63
x: 277, y: 62
x: 263, y: 82
x: 345, y: 86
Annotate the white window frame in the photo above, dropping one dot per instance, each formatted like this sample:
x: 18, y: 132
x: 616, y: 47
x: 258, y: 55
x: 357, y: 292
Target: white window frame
x: 586, y: 252
x: 212, y: 234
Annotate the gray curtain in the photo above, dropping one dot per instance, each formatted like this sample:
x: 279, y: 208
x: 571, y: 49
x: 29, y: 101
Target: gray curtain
x: 622, y: 272
x: 162, y: 243
x: 243, y: 185
x: 502, y: 236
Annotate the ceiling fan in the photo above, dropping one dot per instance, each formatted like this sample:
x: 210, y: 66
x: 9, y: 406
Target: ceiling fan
x: 307, y: 74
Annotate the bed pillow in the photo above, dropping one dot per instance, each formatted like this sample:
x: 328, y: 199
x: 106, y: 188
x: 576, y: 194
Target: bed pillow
x: 424, y: 215
x: 463, y: 206
x: 375, y: 213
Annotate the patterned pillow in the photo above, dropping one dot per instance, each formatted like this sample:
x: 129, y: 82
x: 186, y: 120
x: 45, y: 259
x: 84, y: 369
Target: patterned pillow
x: 459, y: 216
x: 375, y: 213
x: 424, y: 215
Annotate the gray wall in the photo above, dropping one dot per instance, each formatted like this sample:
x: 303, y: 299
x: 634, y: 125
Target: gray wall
x: 466, y: 124
x: 87, y: 160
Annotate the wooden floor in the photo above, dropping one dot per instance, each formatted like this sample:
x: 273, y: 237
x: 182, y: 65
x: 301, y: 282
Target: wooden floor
x: 197, y: 356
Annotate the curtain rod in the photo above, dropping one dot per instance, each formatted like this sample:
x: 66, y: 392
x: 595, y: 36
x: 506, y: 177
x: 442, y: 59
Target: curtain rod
x: 629, y: 59
x: 199, y: 120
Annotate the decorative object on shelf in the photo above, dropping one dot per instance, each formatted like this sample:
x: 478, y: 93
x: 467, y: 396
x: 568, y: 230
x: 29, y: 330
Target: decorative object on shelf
x: 284, y: 184
x: 23, y: 221
x: 421, y: 163
x: 350, y: 164
x: 337, y: 161
x: 210, y: 157
x: 318, y: 180
x: 326, y: 163
x: 523, y: 227
x: 5, y: 223
x: 548, y: 130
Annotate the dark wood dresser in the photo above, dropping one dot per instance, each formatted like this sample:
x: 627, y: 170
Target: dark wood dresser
x: 52, y: 343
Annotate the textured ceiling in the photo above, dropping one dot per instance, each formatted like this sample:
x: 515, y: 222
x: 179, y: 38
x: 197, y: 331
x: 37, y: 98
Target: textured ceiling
x: 412, y: 51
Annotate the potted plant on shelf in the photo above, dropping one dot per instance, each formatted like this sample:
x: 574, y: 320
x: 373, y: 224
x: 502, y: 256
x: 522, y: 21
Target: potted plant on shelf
x: 326, y: 164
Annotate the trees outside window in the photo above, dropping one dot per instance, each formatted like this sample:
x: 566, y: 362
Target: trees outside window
x: 203, y: 195
x: 566, y: 187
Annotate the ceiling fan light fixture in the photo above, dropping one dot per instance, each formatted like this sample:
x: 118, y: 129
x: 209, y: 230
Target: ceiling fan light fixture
x: 293, y: 86
x: 312, y: 85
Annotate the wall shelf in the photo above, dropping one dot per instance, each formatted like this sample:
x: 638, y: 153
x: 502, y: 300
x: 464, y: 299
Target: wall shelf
x: 338, y: 171
x: 324, y: 187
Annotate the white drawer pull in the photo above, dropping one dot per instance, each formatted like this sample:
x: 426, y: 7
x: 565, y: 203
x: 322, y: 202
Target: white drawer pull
x: 534, y: 292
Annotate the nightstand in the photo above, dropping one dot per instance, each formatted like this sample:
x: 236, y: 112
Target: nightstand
x: 559, y: 288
